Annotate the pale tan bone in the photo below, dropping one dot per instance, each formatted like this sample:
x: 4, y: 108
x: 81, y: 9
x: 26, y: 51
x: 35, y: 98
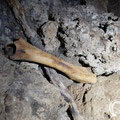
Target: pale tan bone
x: 27, y: 52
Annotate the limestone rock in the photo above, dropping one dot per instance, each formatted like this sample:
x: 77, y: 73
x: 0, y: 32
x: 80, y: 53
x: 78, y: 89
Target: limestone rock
x: 87, y: 35
x: 94, y: 37
x: 27, y: 95
x: 29, y: 65
x: 36, y: 12
x: 100, y: 101
x: 9, y: 28
x: 49, y: 30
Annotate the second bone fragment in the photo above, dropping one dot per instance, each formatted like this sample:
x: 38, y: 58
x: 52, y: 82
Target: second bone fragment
x: 27, y: 52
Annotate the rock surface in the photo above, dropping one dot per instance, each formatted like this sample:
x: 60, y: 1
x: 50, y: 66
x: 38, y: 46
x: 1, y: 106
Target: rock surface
x: 100, y: 101
x: 27, y: 95
x: 80, y: 32
x: 92, y: 36
x: 49, y: 30
x: 9, y: 29
x: 84, y: 30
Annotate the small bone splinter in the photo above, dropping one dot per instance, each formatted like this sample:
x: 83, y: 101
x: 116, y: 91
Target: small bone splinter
x: 27, y: 52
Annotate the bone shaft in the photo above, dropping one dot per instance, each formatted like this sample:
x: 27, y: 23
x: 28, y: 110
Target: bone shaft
x: 25, y: 51
x: 71, y: 70
x: 49, y: 60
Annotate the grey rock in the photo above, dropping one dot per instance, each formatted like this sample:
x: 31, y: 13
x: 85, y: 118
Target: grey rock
x: 89, y: 36
x: 8, y: 25
x: 49, y: 30
x: 66, y: 81
x: 100, y: 101
x: 29, y: 65
x: 26, y: 94
x: 36, y: 13
x: 7, y: 30
x: 94, y: 37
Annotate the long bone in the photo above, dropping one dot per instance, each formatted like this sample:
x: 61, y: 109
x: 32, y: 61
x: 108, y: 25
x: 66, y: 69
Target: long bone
x: 27, y: 52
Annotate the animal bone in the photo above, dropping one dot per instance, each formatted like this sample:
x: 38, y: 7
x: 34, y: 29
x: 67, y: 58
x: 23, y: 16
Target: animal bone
x: 27, y: 52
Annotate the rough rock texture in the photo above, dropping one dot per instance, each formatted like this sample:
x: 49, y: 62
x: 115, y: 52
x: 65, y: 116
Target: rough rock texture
x: 27, y: 95
x: 84, y: 31
x: 79, y: 31
x: 38, y: 11
x: 94, y: 100
x: 9, y: 29
x: 93, y: 37
x: 49, y: 30
x: 30, y: 65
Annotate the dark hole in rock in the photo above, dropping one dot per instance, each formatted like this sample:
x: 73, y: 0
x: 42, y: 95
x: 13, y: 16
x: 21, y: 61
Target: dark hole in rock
x: 107, y: 116
x: 8, y: 109
x: 113, y: 49
x: 103, y: 27
x: 45, y: 74
x: 83, y: 2
x: 84, y: 64
x: 110, y: 38
x: 51, y: 17
x: 113, y: 19
x: 107, y: 74
x: 69, y: 114
x: 39, y: 31
x: 84, y: 97
x: 62, y: 48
